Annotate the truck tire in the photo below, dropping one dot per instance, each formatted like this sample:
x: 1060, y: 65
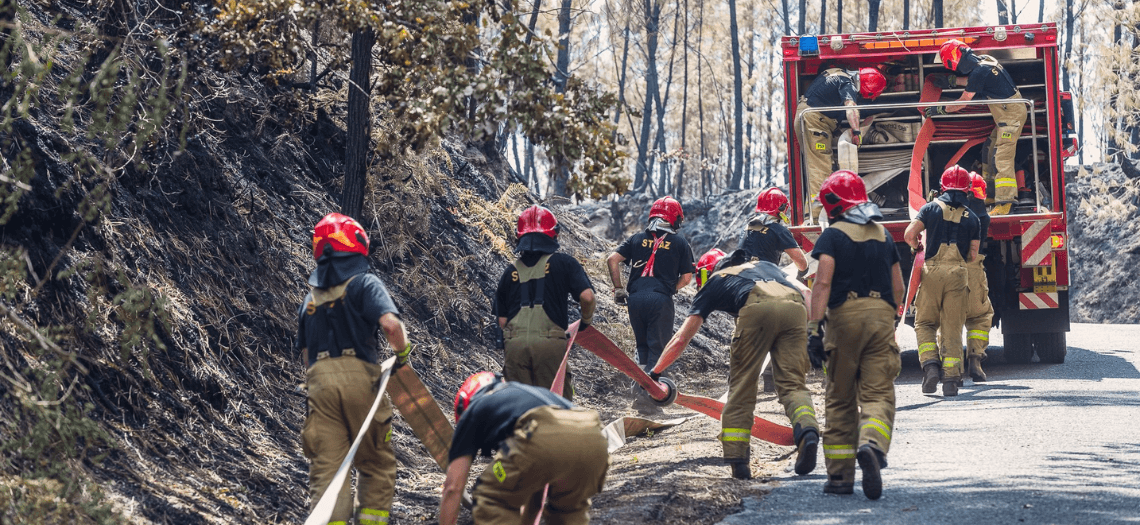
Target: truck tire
x: 1050, y: 347
x: 1018, y: 348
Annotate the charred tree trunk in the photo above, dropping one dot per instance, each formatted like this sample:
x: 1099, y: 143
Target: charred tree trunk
x: 621, y: 79
x: 1002, y: 12
x: 703, y: 172
x: 1041, y: 11
x: 1013, y: 11
x: 872, y: 15
x: 561, y: 170
x: 788, y: 18
x: 738, y: 97
x: 652, y: 23
x: 822, y: 17
x: 748, y: 110
x: 662, y: 103
x: 533, y: 20
x: 906, y: 15
x: 679, y: 178
x: 1067, y: 52
x: 839, y: 16
x: 359, y: 132
x: 803, y: 17
x: 936, y: 12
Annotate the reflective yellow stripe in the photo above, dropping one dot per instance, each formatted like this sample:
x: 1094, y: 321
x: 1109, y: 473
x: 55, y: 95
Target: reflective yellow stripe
x: 1004, y: 183
x: 949, y: 362
x: 984, y: 335
x: 928, y: 347
x: 879, y: 425
x: 801, y: 412
x: 372, y: 517
x: 839, y: 451
x: 338, y: 523
x: 736, y: 434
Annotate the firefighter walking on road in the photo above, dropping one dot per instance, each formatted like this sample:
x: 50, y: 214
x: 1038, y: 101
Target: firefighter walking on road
x: 979, y: 311
x: 951, y: 242
x: 858, y: 286
x: 541, y: 438
x: 984, y: 78
x: 767, y: 236
x: 661, y: 263
x: 815, y: 132
x: 531, y: 303
x: 337, y: 338
x: 770, y: 316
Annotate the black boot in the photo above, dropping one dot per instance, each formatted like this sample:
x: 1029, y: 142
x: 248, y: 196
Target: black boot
x: 740, y: 469
x: 837, y: 486
x: 868, y: 459
x: 950, y: 386
x: 976, y: 372
x: 807, y: 452
x: 930, y: 378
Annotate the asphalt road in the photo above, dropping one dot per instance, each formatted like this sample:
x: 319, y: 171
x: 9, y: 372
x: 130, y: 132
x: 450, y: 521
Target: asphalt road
x: 1035, y: 444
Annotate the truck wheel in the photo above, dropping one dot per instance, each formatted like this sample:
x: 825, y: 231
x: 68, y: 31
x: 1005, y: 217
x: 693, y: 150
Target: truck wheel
x: 1018, y: 348
x: 1050, y: 347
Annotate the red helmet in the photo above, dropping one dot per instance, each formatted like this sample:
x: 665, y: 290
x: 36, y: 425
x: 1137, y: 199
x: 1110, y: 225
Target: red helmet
x: 537, y: 219
x: 707, y: 265
x: 956, y: 178
x: 871, y: 83
x: 977, y: 185
x: 842, y: 191
x: 474, y: 383
x: 951, y: 53
x: 669, y: 209
x: 773, y: 202
x: 338, y: 233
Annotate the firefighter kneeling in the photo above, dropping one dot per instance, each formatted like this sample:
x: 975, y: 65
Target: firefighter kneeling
x: 951, y: 242
x: 541, y: 439
x: 859, y: 283
x: 770, y: 314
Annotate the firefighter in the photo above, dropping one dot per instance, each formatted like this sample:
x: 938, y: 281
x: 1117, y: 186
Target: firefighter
x: 541, y: 438
x: 984, y: 78
x: 816, y: 130
x: 952, y: 241
x: 661, y: 263
x: 979, y: 311
x: 531, y: 302
x: 770, y: 316
x: 858, y: 285
x: 767, y: 237
x: 337, y: 338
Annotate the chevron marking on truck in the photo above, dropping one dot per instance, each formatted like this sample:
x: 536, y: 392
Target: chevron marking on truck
x: 1037, y: 301
x: 1036, y: 248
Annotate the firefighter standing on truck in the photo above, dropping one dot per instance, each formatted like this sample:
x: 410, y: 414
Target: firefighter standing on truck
x: 767, y: 237
x: 542, y: 439
x: 984, y: 78
x: 337, y: 338
x: 531, y: 302
x: 661, y: 263
x: 816, y: 130
x: 951, y: 242
x: 770, y: 316
x: 858, y: 284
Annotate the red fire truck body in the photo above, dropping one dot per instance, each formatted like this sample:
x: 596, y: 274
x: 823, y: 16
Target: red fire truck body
x: 1027, y: 258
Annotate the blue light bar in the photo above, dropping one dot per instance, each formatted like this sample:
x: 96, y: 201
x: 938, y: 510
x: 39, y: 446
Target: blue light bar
x: 809, y: 46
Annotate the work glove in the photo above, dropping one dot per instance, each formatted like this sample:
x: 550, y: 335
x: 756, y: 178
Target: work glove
x: 856, y: 137
x: 621, y: 296
x: 403, y: 355
x: 801, y: 276
x: 815, y: 351
x: 916, y: 249
x: 654, y: 375
x: 944, y: 81
x: 931, y: 111
x: 813, y: 327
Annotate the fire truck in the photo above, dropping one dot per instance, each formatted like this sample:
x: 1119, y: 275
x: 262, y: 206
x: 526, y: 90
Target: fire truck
x: 899, y: 159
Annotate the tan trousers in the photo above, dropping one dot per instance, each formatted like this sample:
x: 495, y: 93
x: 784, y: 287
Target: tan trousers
x: 561, y: 447
x: 999, y: 170
x: 341, y: 391
x: 817, y: 130
x: 773, y: 321
x: 979, y: 311
x: 862, y: 364
x: 533, y: 357
x: 941, y: 304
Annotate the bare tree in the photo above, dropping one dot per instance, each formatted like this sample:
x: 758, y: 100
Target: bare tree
x: 1041, y: 11
x: 359, y: 125
x: 936, y: 12
x: 822, y: 17
x: 839, y: 16
x: 803, y: 17
x: 873, y: 15
x: 652, y: 26
x: 738, y: 97
x: 1002, y: 12
x: 662, y: 104
x: 679, y: 178
x: 906, y: 15
x: 561, y: 172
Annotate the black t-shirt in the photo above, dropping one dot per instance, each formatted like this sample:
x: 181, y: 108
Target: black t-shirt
x: 990, y: 81
x: 564, y: 276
x: 729, y: 293
x: 939, y: 231
x: 860, y: 267
x: 674, y: 259
x: 831, y: 90
x: 768, y: 243
x: 366, y: 299
x: 978, y: 206
x: 491, y: 417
